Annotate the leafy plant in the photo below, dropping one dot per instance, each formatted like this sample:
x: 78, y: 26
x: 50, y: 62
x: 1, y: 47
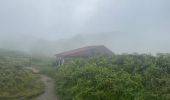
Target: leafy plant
x: 121, y: 77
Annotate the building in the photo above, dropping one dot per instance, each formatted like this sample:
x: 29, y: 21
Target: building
x: 83, y: 52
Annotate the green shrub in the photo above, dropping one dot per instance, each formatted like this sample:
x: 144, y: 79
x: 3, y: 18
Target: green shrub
x: 121, y: 77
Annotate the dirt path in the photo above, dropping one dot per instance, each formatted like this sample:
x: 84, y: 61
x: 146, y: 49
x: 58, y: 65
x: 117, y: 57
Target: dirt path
x: 49, y: 93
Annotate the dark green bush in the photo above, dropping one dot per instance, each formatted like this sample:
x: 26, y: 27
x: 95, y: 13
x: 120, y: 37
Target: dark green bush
x: 121, y: 77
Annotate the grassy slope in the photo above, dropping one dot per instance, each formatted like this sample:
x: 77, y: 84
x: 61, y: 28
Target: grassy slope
x: 15, y: 81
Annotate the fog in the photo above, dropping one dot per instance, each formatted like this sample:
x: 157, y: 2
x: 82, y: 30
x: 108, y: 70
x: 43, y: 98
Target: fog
x: 52, y: 26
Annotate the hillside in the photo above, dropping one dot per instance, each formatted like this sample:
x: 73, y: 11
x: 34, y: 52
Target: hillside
x: 16, y: 82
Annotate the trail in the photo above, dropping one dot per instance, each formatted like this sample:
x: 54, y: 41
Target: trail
x: 49, y: 93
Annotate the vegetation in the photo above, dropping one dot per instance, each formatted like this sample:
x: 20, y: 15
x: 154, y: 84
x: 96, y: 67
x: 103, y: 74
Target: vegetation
x: 121, y: 77
x: 16, y: 82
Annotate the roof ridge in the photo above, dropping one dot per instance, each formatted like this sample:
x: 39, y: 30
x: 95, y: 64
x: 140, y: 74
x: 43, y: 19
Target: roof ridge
x: 79, y: 50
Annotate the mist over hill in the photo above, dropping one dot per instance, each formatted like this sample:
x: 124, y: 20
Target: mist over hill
x: 120, y: 42
x: 25, y: 43
x: 116, y: 41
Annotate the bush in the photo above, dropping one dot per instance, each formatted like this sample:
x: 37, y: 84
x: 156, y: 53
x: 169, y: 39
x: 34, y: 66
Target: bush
x: 122, y: 77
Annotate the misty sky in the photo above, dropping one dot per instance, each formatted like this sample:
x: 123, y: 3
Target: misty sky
x: 53, y: 19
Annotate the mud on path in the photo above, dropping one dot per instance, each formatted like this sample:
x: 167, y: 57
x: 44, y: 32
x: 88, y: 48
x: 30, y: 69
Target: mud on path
x: 49, y: 93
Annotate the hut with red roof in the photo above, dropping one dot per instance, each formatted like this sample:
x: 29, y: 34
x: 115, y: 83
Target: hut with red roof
x: 83, y: 52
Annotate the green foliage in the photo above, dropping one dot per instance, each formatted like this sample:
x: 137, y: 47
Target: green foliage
x: 16, y: 82
x: 121, y: 77
x: 45, y: 65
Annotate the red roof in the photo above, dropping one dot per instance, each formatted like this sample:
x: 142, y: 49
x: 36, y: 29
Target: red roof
x: 84, y: 51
